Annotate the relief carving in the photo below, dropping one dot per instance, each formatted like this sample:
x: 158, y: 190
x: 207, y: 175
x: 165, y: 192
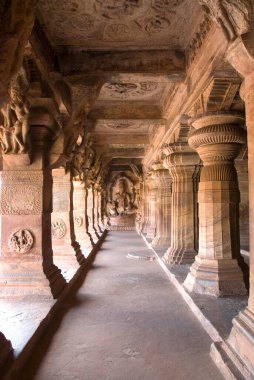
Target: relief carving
x: 233, y: 16
x: 14, y: 128
x: 116, y: 9
x: 117, y: 32
x: 198, y: 40
x: 19, y: 195
x: 21, y: 200
x: 126, y: 90
x: 78, y: 220
x: 58, y: 228
x: 21, y: 241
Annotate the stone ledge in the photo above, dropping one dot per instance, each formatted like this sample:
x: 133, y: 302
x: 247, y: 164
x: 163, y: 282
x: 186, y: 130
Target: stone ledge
x: 215, y: 315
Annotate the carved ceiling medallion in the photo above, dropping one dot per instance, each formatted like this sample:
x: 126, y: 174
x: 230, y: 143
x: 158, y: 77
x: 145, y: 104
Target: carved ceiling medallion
x: 115, y: 9
x: 126, y: 90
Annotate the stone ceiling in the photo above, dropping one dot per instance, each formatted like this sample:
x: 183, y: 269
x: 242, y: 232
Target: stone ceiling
x: 138, y: 46
x: 120, y: 24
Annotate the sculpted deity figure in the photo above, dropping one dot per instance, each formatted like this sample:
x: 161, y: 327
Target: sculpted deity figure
x: 122, y: 199
x: 15, y: 127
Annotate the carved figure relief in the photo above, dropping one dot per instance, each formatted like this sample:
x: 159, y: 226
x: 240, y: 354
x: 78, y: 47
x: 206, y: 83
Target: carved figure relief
x: 58, y: 228
x: 21, y: 241
x: 78, y: 220
x: 14, y: 128
x: 126, y: 90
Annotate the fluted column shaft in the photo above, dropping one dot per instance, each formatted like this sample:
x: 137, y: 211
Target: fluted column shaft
x: 182, y: 168
x: 216, y: 269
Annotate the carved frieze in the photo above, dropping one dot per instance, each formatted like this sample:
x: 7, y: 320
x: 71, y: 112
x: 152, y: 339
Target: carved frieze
x: 198, y: 40
x: 21, y: 193
x: 21, y: 241
x: 58, y: 228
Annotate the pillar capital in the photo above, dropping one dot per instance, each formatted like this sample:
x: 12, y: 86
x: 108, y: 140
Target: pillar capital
x: 179, y: 154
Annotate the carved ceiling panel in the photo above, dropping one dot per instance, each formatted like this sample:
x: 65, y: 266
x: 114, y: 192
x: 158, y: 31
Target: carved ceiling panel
x: 122, y: 91
x: 102, y: 24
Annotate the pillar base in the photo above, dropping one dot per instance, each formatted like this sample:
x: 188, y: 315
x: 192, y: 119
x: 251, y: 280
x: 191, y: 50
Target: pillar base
x: 69, y: 261
x: 151, y: 232
x: 218, y: 278
x: 182, y: 256
x: 28, y: 279
x: 235, y: 357
x: 161, y: 242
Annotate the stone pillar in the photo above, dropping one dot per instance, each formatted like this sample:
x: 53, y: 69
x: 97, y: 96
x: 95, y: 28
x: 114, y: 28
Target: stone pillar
x: 241, y: 339
x: 80, y: 217
x: 216, y: 271
x: 90, y: 214
x: 242, y: 173
x: 26, y: 262
x: 181, y: 164
x: 6, y: 352
x: 97, y: 210
x: 152, y: 206
x: 144, y: 209
x: 163, y: 232
x: 66, y: 250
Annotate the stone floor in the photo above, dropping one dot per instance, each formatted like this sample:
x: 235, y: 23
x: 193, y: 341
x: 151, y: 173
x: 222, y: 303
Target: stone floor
x: 126, y: 322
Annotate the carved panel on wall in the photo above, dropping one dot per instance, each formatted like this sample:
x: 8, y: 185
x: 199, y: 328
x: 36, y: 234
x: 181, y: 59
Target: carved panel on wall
x: 21, y: 241
x: 19, y: 195
x: 58, y: 228
x: 78, y: 220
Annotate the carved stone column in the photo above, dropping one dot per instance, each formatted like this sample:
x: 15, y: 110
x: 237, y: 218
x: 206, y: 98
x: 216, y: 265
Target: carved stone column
x: 80, y: 217
x: 216, y: 270
x: 163, y: 232
x: 67, y: 252
x: 90, y: 215
x: 181, y: 163
x: 26, y: 262
x: 152, y: 206
x: 6, y: 352
x: 144, y: 209
x: 97, y: 210
x: 241, y: 339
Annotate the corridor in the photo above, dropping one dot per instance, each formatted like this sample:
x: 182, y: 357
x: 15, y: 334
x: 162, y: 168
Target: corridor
x: 127, y: 322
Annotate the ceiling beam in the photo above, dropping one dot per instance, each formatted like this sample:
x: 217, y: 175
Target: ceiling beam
x: 170, y: 62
